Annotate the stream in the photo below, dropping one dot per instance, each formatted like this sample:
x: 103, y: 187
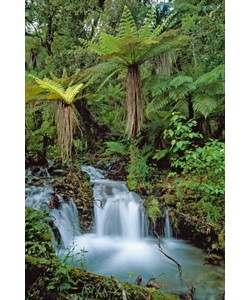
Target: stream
x: 119, y: 244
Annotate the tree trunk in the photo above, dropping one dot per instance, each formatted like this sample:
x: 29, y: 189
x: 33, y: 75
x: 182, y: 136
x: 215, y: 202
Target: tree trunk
x: 134, y: 101
x: 91, y: 128
x: 190, y: 108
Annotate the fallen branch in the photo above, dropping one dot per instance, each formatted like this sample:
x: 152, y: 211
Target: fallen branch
x: 153, y: 284
x: 165, y: 254
x: 190, y: 293
x: 124, y: 296
x: 138, y: 280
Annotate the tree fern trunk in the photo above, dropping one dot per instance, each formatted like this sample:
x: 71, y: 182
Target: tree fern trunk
x: 66, y: 121
x: 134, y: 101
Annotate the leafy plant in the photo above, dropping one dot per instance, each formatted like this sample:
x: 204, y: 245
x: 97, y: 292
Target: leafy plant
x: 138, y: 169
x: 180, y: 136
x: 38, y: 234
x: 116, y: 147
x: 64, y: 92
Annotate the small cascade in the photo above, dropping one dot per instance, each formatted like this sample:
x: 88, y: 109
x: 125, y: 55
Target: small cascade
x: 168, y: 228
x: 66, y: 220
x: 118, y: 212
x: 65, y: 217
x: 119, y: 245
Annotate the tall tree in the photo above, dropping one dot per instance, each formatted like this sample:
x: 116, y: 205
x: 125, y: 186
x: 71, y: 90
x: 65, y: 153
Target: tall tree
x: 127, y: 51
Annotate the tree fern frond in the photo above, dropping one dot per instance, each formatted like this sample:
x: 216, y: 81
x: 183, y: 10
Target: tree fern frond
x: 180, y: 87
x: 157, y: 104
x: 182, y: 80
x: 31, y: 92
x: 127, y: 24
x: 160, y: 28
x: 182, y: 107
x: 71, y: 92
x: 204, y: 104
x: 217, y: 74
x: 109, y: 43
x: 50, y: 86
x: 171, y: 43
x: 104, y: 68
x: 149, y: 24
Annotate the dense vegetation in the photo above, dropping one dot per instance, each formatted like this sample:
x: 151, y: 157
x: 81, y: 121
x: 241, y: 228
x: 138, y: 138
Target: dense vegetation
x: 136, y: 88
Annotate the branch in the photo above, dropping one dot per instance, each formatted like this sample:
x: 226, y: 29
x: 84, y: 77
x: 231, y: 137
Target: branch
x: 190, y: 293
x: 165, y: 254
x: 124, y: 297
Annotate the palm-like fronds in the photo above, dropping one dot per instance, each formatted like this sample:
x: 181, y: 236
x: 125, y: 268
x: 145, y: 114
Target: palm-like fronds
x: 204, y: 104
x: 127, y: 24
x: 67, y: 96
x: 62, y: 90
x: 180, y: 87
x: 128, y: 50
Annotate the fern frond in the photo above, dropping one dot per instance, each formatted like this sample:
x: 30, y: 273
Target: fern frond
x: 127, y: 25
x: 71, y: 92
x: 157, y: 104
x: 171, y: 42
x: 217, y: 74
x: 160, y: 28
x: 182, y: 107
x: 50, y: 86
x: 183, y: 80
x: 116, y: 147
x: 180, y: 87
x: 204, y: 104
x: 149, y: 24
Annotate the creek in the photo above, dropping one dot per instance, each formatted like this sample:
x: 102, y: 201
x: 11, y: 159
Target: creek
x: 119, y: 244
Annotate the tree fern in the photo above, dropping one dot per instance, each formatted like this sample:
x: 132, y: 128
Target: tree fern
x: 60, y: 89
x: 128, y: 50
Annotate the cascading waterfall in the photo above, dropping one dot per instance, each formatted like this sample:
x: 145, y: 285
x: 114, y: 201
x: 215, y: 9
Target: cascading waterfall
x: 118, y: 244
x: 168, y: 229
x: 118, y: 212
x: 65, y: 217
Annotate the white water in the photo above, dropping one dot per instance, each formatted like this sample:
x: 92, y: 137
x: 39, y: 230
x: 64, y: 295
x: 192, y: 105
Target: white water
x: 118, y: 245
x: 65, y: 217
x: 118, y: 212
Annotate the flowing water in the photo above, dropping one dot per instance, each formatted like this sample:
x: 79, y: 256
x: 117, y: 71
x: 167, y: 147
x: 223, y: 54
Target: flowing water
x: 119, y: 245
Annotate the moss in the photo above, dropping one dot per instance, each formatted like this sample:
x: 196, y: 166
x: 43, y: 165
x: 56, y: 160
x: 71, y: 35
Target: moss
x: 40, y: 273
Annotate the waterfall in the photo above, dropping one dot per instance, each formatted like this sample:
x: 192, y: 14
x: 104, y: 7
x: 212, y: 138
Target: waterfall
x: 65, y: 217
x: 116, y: 246
x: 118, y: 212
x: 168, y: 229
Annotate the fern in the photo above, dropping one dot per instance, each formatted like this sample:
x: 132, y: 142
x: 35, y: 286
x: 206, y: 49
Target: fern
x: 204, y: 104
x: 50, y: 85
x: 127, y: 24
x: 156, y: 105
x: 146, y: 30
x: 117, y: 148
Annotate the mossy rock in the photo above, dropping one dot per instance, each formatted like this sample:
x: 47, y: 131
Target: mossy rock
x: 40, y: 273
x: 170, y: 199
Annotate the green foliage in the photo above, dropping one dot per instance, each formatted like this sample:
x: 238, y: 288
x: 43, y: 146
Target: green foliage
x: 38, y: 234
x: 57, y: 91
x: 116, y: 148
x: 138, y: 169
x: 154, y: 212
x: 181, y: 135
x: 204, y: 177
